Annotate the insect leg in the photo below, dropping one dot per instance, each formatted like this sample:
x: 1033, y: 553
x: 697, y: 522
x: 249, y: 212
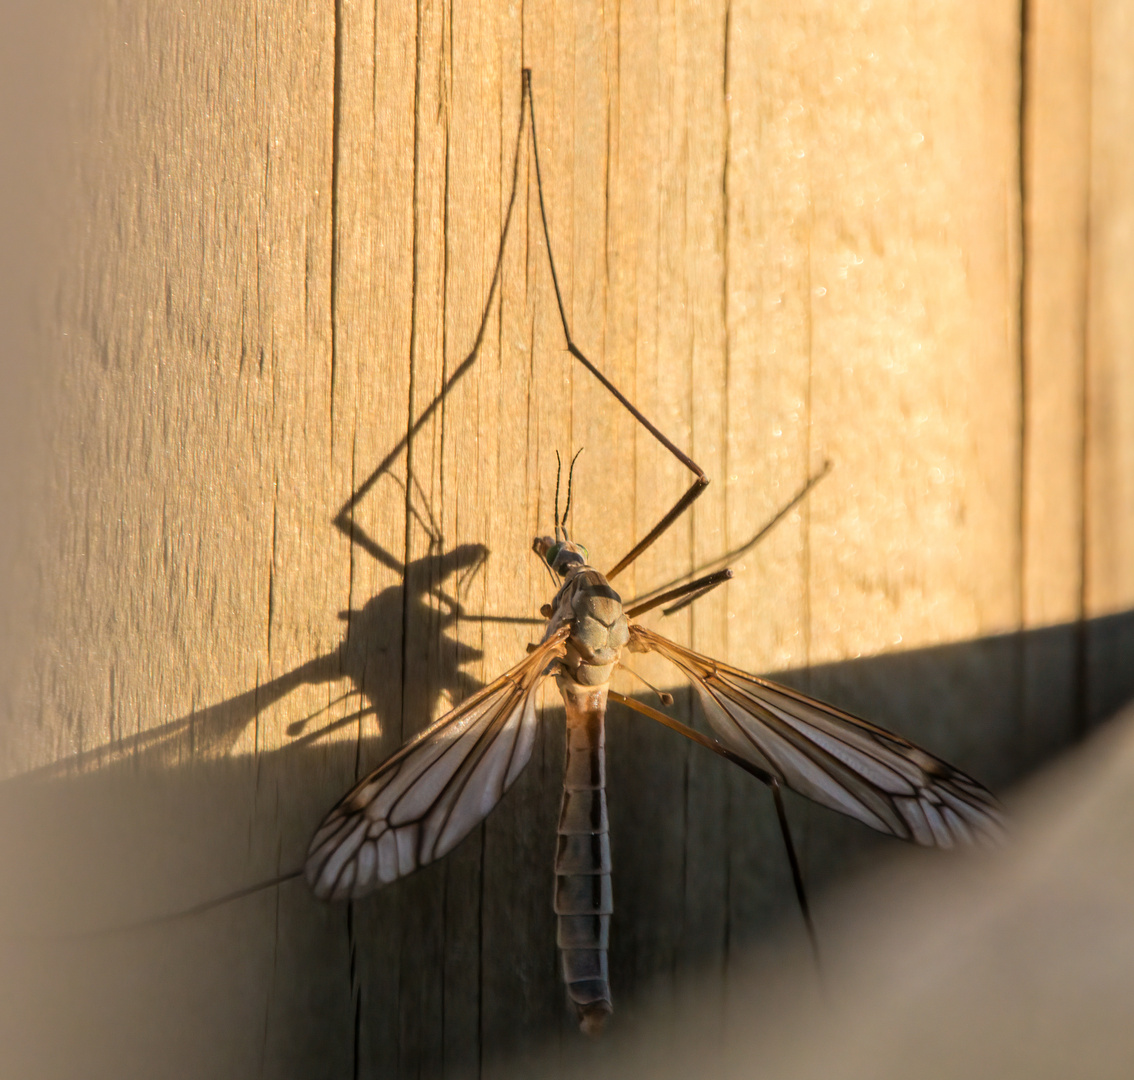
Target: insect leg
x: 673, y: 588
x: 796, y: 873
x: 685, y: 593
x: 344, y: 519
x: 172, y: 916
x: 700, y: 481
x: 762, y: 775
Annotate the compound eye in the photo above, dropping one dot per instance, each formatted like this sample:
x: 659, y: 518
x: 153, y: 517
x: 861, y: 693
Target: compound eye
x: 583, y: 551
x: 553, y: 553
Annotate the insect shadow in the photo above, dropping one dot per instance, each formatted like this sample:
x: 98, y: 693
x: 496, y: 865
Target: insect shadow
x: 370, y: 653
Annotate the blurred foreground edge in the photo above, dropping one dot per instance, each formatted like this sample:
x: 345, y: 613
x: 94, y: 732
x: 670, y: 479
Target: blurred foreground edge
x: 1018, y: 963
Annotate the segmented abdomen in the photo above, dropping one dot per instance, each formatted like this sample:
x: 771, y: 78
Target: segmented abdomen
x: 583, y: 900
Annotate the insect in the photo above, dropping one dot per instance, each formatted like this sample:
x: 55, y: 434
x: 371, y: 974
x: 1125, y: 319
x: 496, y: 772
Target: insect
x: 424, y: 799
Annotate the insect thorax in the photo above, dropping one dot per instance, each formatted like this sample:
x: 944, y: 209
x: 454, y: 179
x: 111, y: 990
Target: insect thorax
x: 599, y: 628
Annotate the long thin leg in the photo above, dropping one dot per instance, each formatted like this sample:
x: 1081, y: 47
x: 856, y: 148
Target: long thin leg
x: 768, y: 526
x: 694, y: 735
x: 344, y: 519
x: 296, y: 726
x: 173, y: 916
x: 685, y: 593
x: 669, y: 588
x: 334, y: 725
x: 796, y: 873
x: 762, y: 775
x: 700, y: 481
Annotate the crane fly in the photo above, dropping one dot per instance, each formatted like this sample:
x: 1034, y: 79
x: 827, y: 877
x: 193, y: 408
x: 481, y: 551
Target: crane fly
x: 425, y: 798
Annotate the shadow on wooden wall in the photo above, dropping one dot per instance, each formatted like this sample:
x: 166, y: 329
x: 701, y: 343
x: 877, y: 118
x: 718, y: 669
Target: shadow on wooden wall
x: 892, y: 235
x: 455, y: 969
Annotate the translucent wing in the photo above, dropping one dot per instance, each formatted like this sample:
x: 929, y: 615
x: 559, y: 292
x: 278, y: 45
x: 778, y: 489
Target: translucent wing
x: 420, y: 802
x: 835, y: 758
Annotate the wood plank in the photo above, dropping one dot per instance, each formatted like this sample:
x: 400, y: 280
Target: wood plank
x: 1056, y: 184
x: 875, y: 275
x: 1109, y: 526
x: 189, y: 466
x: 789, y: 233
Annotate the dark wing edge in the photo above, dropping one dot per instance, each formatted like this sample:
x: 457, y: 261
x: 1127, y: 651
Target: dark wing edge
x: 835, y: 758
x: 429, y: 795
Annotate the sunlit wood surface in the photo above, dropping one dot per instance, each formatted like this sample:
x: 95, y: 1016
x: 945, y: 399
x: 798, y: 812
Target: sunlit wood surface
x: 283, y: 502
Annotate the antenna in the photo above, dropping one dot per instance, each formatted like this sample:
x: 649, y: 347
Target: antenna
x: 570, y: 476
x: 559, y: 534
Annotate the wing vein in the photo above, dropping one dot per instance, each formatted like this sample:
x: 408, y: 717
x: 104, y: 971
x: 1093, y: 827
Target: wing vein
x: 833, y: 757
x: 429, y: 794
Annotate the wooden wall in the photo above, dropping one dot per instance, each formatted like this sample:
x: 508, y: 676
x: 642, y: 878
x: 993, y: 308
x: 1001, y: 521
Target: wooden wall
x: 291, y: 446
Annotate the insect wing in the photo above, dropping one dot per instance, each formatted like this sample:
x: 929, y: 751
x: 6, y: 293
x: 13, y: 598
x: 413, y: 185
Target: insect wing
x: 429, y: 795
x: 835, y: 758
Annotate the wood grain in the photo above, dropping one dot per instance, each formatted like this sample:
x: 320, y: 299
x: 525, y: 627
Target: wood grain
x: 1055, y: 431
x: 305, y: 398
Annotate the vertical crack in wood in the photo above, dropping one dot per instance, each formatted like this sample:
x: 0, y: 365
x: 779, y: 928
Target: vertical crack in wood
x: 1022, y: 344
x: 1082, y: 631
x: 336, y: 162
x: 726, y: 823
x: 355, y: 994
